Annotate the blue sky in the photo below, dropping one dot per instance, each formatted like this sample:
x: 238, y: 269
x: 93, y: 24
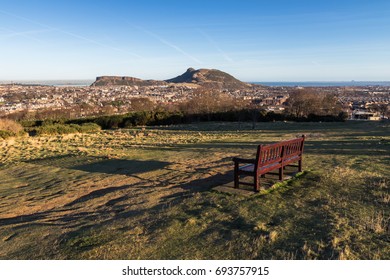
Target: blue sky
x: 276, y: 40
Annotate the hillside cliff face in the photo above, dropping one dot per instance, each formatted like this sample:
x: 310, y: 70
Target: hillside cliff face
x: 209, y: 77
x: 125, y: 81
x: 203, y: 77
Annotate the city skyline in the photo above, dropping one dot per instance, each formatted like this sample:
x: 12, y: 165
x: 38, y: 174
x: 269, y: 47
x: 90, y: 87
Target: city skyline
x: 252, y: 40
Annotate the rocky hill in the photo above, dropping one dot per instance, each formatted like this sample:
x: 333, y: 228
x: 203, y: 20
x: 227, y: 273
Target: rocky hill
x: 209, y: 77
x: 125, y: 81
x: 201, y: 77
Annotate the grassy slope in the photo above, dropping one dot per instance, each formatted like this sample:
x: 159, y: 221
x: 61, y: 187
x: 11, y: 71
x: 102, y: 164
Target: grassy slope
x: 147, y: 195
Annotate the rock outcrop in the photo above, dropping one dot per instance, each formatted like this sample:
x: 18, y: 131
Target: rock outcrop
x: 202, y: 77
x: 209, y: 77
x: 125, y: 81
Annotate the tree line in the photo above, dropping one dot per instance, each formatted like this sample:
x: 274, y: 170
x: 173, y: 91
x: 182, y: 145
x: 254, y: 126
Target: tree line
x: 205, y: 105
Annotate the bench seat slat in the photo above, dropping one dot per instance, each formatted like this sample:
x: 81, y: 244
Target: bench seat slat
x: 251, y: 167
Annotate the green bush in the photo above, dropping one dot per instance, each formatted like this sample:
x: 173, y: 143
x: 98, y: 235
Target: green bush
x: 87, y: 127
x: 54, y: 129
x: 4, y: 134
x: 167, y: 118
x: 53, y: 121
x: 109, y: 122
x: 157, y: 117
x: 127, y: 122
x: 30, y: 123
x: 142, y: 118
x: 342, y: 116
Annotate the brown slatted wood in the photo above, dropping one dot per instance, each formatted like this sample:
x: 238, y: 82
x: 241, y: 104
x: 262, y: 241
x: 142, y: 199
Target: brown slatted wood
x: 268, y: 158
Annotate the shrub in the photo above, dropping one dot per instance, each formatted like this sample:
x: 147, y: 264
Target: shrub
x: 142, y: 118
x: 30, y: 123
x: 166, y: 118
x: 127, y: 122
x: 342, y: 116
x: 4, y: 134
x: 10, y: 125
x: 54, y: 129
x: 109, y: 122
x: 87, y: 127
x: 53, y: 121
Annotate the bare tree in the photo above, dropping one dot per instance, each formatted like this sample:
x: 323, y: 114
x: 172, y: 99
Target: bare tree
x: 303, y: 102
x: 206, y: 101
x: 384, y: 109
x: 142, y: 104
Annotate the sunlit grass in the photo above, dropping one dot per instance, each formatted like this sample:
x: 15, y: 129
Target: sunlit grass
x: 146, y: 193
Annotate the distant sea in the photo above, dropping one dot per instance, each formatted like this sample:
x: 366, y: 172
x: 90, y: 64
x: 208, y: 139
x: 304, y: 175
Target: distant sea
x: 324, y: 84
x: 56, y: 83
x: 81, y: 83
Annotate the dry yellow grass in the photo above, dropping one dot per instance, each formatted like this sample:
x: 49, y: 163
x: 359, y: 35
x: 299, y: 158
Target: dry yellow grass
x: 10, y: 125
x: 116, y: 195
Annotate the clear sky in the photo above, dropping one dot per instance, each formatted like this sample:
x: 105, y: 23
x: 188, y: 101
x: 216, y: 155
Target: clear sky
x: 272, y: 40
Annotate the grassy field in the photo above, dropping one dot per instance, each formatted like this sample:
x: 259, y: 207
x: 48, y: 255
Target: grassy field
x: 148, y: 194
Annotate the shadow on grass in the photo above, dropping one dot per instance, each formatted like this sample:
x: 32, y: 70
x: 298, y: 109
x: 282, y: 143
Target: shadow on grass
x: 124, y: 167
x: 374, y: 127
x: 102, y: 164
x: 313, y: 227
x: 117, y: 210
x: 356, y: 148
x: 95, y: 165
x: 119, y: 204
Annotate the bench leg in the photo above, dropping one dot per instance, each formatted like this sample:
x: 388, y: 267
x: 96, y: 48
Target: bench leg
x: 281, y: 173
x: 236, y: 181
x: 257, y: 183
x: 300, y: 165
x: 236, y: 176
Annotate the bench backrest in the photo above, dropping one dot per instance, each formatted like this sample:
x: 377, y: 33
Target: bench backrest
x: 268, y: 154
x: 293, y: 147
x: 272, y: 153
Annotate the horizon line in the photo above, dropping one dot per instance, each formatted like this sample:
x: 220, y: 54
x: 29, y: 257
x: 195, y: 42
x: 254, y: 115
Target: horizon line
x: 260, y: 81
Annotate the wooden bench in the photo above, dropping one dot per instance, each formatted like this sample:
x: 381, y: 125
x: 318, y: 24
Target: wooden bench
x: 268, y: 158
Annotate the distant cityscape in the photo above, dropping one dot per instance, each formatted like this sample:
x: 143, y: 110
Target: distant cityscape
x: 81, y: 99
x: 87, y: 82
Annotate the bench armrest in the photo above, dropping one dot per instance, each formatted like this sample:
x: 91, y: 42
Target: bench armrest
x: 244, y: 160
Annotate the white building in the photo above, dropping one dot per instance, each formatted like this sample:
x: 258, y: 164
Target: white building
x: 365, y: 115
